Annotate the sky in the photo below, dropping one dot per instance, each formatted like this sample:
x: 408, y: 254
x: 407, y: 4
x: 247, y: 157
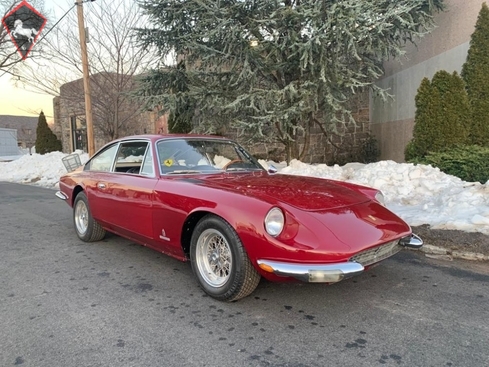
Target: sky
x: 18, y: 101
x: 419, y: 194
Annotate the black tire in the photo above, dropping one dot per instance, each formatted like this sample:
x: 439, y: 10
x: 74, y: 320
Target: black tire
x: 86, y: 227
x: 220, y: 262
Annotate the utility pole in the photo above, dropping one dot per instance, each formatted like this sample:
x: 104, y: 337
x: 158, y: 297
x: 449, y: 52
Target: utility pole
x: 86, y: 77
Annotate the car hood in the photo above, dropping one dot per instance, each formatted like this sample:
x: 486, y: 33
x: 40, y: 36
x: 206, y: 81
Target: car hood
x: 305, y: 193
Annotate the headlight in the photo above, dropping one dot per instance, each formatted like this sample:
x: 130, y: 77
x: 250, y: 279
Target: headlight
x: 380, y: 197
x: 274, y: 222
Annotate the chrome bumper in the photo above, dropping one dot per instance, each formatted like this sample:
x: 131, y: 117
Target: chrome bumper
x: 332, y: 273
x: 313, y: 273
x: 60, y: 195
x: 411, y: 242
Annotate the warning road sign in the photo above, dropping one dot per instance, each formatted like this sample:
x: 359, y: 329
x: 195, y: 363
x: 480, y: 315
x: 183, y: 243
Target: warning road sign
x: 24, y: 25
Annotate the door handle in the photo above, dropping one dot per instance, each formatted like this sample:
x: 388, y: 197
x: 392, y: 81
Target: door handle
x: 101, y: 186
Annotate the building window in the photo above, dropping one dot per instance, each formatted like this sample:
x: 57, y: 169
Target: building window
x: 79, y: 132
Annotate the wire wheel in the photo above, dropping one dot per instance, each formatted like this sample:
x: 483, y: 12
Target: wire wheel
x: 213, y: 257
x: 81, y: 217
x: 219, y: 260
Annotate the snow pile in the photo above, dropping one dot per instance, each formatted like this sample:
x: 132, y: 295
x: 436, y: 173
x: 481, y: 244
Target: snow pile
x: 419, y: 194
x: 43, y: 170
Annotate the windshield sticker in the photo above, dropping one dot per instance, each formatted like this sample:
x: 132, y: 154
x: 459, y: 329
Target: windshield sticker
x: 168, y: 162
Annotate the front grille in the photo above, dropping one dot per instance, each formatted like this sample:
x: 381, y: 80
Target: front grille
x: 376, y: 254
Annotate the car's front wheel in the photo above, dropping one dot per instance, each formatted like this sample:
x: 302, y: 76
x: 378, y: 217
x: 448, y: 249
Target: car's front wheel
x: 86, y: 227
x: 220, y: 262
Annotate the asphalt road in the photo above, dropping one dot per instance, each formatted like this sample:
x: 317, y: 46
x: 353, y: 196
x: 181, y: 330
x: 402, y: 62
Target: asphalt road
x: 113, y: 303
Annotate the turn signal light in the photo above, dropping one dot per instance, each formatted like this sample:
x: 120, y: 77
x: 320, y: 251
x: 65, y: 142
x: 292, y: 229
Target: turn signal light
x: 266, y: 268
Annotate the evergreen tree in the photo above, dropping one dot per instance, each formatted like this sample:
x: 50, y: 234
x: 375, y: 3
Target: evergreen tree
x: 453, y: 112
x: 276, y: 68
x: 182, y: 113
x: 46, y: 140
x: 442, y: 116
x: 424, y: 119
x: 475, y: 73
x: 180, y: 122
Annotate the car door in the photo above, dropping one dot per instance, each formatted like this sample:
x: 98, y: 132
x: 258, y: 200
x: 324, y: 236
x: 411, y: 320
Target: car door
x: 97, y: 173
x: 124, y: 195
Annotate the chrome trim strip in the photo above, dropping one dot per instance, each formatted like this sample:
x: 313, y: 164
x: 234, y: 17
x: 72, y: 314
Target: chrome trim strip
x: 304, y: 271
x: 61, y: 195
x: 413, y: 241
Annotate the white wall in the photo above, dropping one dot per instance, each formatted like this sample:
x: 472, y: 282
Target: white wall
x: 404, y: 84
x: 445, y: 48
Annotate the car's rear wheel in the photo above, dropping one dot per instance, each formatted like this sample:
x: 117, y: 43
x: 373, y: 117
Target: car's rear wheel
x: 220, y: 262
x: 86, y: 227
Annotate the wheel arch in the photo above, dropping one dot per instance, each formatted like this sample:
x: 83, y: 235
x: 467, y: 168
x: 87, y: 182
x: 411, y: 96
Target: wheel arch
x: 188, y: 228
x: 194, y: 217
x: 76, y: 191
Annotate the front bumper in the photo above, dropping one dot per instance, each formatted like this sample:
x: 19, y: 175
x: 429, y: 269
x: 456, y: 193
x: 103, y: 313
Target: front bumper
x: 333, y: 273
x: 61, y: 195
x: 412, y: 241
x: 313, y: 273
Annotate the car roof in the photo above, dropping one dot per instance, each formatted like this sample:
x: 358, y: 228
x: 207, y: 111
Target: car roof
x: 154, y: 137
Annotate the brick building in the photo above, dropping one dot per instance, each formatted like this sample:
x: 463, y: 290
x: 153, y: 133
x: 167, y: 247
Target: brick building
x: 114, y: 112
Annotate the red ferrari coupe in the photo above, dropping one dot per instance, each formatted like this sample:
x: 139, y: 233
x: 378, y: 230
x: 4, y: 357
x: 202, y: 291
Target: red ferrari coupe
x: 205, y: 199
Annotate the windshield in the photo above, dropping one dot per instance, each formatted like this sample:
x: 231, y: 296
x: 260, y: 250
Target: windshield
x: 180, y: 156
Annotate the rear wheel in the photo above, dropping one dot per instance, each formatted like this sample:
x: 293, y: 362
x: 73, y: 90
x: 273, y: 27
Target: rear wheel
x: 86, y: 227
x: 220, y: 262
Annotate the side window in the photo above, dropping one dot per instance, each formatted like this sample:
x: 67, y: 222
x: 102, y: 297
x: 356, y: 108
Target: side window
x: 130, y: 157
x: 103, y: 161
x: 147, y: 169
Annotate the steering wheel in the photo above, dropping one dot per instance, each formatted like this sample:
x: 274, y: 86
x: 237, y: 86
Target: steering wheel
x: 234, y: 161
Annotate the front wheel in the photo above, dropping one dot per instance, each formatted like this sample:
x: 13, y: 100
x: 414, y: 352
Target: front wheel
x: 86, y: 227
x: 220, y: 262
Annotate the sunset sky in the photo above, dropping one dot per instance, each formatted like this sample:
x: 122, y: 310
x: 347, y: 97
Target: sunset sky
x: 19, y: 102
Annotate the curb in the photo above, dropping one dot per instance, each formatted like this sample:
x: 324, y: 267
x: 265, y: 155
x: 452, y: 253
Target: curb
x: 440, y: 253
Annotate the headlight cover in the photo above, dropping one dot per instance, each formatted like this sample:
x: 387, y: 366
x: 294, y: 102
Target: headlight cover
x: 380, y: 197
x: 274, y: 222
